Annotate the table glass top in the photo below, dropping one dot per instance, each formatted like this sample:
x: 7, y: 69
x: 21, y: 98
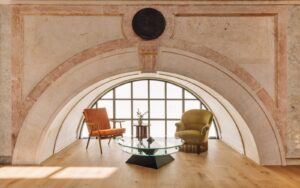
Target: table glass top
x: 159, y: 146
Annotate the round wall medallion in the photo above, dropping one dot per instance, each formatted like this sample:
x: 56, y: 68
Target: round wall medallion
x: 148, y: 23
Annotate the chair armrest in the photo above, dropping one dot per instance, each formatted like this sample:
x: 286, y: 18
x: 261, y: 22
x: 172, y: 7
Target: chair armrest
x: 118, y: 121
x: 204, y: 130
x: 179, y: 126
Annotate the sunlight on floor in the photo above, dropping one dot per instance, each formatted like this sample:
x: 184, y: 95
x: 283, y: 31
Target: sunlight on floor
x: 84, y: 173
x: 29, y: 172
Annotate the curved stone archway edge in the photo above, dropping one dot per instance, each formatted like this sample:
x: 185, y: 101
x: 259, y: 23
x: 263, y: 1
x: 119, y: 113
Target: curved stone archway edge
x: 202, y: 51
x: 268, y: 155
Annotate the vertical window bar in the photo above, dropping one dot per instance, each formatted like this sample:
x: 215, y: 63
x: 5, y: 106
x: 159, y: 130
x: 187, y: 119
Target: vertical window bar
x: 149, y: 106
x: 131, y: 103
x: 114, y: 107
x: 183, y: 101
x: 165, y: 109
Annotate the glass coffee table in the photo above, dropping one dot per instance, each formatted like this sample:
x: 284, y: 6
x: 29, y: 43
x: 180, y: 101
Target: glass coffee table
x: 152, y: 153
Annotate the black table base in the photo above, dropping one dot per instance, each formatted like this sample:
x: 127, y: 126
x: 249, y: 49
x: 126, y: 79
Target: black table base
x: 150, y: 161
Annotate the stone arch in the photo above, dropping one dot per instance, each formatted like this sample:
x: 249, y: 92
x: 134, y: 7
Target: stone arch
x: 121, y: 56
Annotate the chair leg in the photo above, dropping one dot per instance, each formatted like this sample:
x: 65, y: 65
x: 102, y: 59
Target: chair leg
x: 109, y: 140
x: 100, y: 144
x: 87, y: 144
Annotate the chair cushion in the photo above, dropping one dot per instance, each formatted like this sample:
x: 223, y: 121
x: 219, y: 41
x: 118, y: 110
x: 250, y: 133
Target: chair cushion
x: 108, y: 132
x: 190, y: 136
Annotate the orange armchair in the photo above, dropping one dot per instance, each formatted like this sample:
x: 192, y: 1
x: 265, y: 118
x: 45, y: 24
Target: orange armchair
x: 98, y: 125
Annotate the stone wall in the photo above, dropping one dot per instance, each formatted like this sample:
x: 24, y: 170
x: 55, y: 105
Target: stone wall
x: 246, y: 41
x: 5, y: 86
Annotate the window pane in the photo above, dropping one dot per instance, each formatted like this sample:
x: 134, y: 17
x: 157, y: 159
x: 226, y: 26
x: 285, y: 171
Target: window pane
x: 157, y: 128
x: 157, y: 109
x: 123, y: 91
x: 108, y: 104
x: 174, y: 109
x: 123, y: 109
x: 108, y: 95
x: 85, y: 132
x: 140, y: 89
x: 173, y: 91
x: 127, y: 126
x: 157, y: 89
x: 194, y: 104
x: 212, y: 130
x: 188, y: 95
x: 142, y: 105
x: 171, y: 128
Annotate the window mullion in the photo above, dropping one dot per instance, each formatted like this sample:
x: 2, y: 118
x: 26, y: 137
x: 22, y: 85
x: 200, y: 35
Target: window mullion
x: 149, y: 107
x: 114, y: 107
x: 131, y: 103
x: 166, y: 109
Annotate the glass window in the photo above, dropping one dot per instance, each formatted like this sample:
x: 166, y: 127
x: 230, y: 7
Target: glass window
x: 142, y: 106
x: 162, y: 99
x: 123, y: 108
x: 171, y: 128
x: 127, y: 126
x: 191, y: 104
x: 157, y: 89
x: 174, y: 109
x: 157, y: 128
x: 108, y: 95
x: 123, y: 91
x: 212, y: 131
x: 174, y: 92
x: 157, y: 109
x: 84, y: 131
x: 140, y: 89
x: 188, y: 95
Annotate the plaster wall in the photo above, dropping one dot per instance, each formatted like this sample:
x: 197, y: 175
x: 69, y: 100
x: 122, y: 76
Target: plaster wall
x: 40, y: 60
x: 251, y: 47
x: 50, y: 40
x: 293, y: 133
x: 5, y: 85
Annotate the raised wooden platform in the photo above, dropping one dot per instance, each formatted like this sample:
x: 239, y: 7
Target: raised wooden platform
x: 219, y: 167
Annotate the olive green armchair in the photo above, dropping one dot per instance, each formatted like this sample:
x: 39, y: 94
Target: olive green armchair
x: 193, y: 129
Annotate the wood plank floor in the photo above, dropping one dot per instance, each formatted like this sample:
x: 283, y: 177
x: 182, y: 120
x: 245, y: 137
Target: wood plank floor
x: 219, y: 167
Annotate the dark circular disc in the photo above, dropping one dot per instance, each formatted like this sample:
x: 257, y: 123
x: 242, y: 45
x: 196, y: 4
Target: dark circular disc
x: 148, y: 23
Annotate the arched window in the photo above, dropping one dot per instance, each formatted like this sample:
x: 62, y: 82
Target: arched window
x: 164, y: 101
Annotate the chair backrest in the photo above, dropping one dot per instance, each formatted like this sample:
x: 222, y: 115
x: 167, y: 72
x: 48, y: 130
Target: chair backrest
x: 96, y: 116
x: 196, y: 119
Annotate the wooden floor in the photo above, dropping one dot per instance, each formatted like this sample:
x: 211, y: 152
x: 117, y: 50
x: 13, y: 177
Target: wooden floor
x: 219, y: 167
